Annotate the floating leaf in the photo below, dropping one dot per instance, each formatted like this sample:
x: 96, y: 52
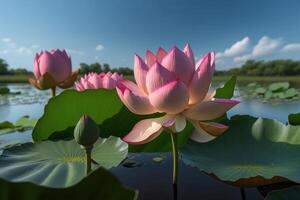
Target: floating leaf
x: 290, y: 93
x: 280, y: 86
x: 251, y: 152
x: 260, y: 90
x: 100, y: 184
x: 22, y: 124
x: 26, y: 122
x: 158, y: 159
x: 268, y: 94
x: 4, y: 90
x: 57, y: 164
x: 254, y: 84
x: 294, y: 119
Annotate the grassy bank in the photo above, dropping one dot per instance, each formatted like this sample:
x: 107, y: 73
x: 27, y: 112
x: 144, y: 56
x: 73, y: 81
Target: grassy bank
x: 24, y: 78
x: 14, y: 78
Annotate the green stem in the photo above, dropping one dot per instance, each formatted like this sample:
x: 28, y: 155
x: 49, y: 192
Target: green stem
x: 53, y: 90
x: 88, y: 152
x: 175, y: 157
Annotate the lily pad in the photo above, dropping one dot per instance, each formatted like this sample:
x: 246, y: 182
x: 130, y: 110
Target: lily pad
x: 290, y: 93
x: 57, y: 164
x: 100, y: 184
x: 268, y: 95
x: 254, y: 84
x: 4, y: 90
x: 294, y: 119
x: 280, y: 86
x: 252, y: 152
x: 26, y: 122
x: 260, y: 90
x: 22, y: 124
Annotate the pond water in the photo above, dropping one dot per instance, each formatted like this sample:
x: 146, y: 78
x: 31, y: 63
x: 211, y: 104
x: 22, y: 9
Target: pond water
x: 152, y: 179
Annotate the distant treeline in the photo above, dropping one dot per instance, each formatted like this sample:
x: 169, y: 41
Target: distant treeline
x: 265, y: 68
x: 4, y: 69
x: 98, y: 68
x: 250, y: 68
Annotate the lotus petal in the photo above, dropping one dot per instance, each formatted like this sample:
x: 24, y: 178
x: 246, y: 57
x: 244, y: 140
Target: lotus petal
x: 140, y: 72
x: 145, y: 131
x: 210, y: 109
x: 201, y: 81
x: 176, y: 61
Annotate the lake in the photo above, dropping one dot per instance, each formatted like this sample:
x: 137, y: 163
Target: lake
x: 152, y: 179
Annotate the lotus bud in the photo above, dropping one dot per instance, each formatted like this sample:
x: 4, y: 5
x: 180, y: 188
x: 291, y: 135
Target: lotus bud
x: 86, y: 131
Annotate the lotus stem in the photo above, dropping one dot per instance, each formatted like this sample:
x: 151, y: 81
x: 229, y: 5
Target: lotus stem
x: 243, y: 194
x: 88, y: 156
x: 53, y: 90
x: 175, y: 162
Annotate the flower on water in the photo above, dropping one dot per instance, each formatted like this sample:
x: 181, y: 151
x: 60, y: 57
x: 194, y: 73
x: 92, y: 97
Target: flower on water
x: 53, y: 68
x: 96, y: 81
x: 172, y: 83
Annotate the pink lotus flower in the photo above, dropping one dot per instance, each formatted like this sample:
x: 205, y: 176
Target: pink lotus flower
x: 96, y: 81
x: 171, y: 82
x: 53, y: 68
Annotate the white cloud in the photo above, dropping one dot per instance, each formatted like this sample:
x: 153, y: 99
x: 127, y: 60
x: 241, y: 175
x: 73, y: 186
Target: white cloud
x: 236, y: 49
x: 99, y: 47
x: 291, y: 47
x: 35, y: 46
x: 96, y: 58
x: 9, y: 42
x: 74, y: 51
x: 6, y: 40
x: 22, y: 50
x: 265, y: 46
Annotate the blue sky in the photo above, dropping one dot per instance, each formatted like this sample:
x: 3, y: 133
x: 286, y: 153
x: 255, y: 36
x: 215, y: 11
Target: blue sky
x: 112, y: 31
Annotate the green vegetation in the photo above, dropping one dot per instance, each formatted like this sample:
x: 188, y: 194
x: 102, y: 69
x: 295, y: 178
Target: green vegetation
x: 54, y: 156
x: 4, y: 90
x: 5, y: 71
x: 98, y: 68
x: 258, y: 152
x: 99, y: 184
x: 277, y: 90
x: 265, y: 68
x: 22, y: 124
x: 242, y: 79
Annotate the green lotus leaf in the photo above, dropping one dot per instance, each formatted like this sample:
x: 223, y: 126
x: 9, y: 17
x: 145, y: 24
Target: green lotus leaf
x: 268, y: 94
x: 26, y: 122
x: 6, y: 127
x: 294, y: 119
x: 291, y: 92
x: 22, y: 124
x: 57, y: 164
x: 99, y: 184
x: 291, y: 193
x: 252, y: 152
x: 260, y: 90
x: 254, y: 84
x: 4, y: 90
x: 280, y: 86
x: 226, y: 91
